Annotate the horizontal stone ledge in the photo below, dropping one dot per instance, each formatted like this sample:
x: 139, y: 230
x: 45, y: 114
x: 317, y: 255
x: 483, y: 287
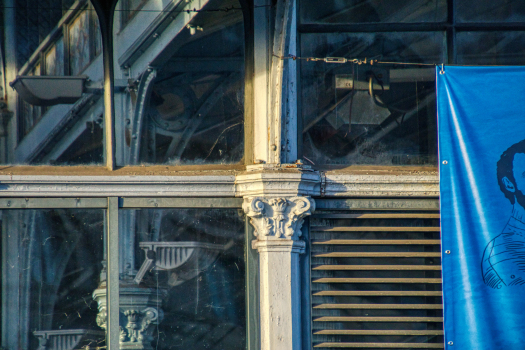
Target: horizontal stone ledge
x: 279, y: 245
x: 243, y: 185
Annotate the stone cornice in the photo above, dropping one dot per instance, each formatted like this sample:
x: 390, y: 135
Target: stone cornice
x: 129, y: 186
x: 277, y: 180
x: 373, y: 185
x: 256, y: 181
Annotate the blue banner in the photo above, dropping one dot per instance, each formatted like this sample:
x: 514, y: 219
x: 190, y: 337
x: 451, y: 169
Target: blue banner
x: 481, y: 118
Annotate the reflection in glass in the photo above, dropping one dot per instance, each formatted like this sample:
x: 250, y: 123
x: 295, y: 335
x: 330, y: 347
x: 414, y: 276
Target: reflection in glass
x: 189, y: 107
x: 30, y: 114
x: 491, y: 48
x: 370, y: 11
x: 346, y: 122
x: 52, y: 264
x: 82, y: 44
x: 490, y: 11
x: 52, y: 38
x: 129, y: 8
x: 55, y: 58
x: 182, y: 279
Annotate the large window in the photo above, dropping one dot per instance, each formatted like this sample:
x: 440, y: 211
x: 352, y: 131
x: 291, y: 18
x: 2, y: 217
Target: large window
x: 171, y: 271
x: 356, y: 113
x: 55, y: 41
x: 190, y: 262
x: 178, y: 95
x: 186, y: 104
x: 122, y: 272
x: 52, y: 263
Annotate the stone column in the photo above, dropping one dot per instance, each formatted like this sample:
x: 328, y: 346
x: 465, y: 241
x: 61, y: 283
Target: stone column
x: 277, y: 222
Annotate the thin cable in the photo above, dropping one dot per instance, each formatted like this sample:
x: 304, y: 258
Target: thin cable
x: 342, y: 60
x: 371, y: 62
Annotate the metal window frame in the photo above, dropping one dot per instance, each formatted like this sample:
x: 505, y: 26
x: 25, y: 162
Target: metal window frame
x: 115, y: 197
x: 449, y: 27
x: 112, y: 205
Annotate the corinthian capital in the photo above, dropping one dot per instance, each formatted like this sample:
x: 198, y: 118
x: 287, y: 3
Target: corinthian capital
x: 278, y: 218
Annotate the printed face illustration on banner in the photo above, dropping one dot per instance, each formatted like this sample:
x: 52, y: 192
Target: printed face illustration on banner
x: 503, y: 262
x: 482, y: 201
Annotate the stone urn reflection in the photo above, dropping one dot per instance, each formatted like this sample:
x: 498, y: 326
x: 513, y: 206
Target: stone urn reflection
x: 140, y: 303
x: 140, y: 313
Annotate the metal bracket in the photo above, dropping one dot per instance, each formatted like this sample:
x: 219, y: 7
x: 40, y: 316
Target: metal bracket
x: 143, y: 95
x: 323, y: 183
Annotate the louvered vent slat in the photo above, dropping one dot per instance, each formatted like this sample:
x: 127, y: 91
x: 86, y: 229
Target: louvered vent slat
x: 378, y: 242
x: 376, y: 279
x: 379, y: 332
x: 375, y: 229
x: 376, y: 267
x: 381, y: 345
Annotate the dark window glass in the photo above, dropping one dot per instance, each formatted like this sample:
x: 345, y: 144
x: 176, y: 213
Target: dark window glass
x: 490, y: 11
x: 491, y: 48
x: 84, y: 41
x: 182, y: 278
x: 128, y: 9
x: 52, y: 266
x: 185, y: 100
x: 395, y: 125
x: 53, y: 39
x: 367, y: 11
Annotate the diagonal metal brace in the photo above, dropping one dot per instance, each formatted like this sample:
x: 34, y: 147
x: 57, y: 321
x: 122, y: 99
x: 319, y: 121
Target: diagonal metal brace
x: 146, y: 266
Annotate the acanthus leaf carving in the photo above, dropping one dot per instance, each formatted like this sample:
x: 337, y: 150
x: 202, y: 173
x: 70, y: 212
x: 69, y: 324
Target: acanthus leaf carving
x: 139, y: 326
x: 278, y: 217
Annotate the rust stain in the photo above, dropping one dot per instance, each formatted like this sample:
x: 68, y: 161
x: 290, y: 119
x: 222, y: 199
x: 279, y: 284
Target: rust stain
x: 159, y: 170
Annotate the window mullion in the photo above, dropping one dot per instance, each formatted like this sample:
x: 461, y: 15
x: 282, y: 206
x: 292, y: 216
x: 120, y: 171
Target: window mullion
x: 112, y: 258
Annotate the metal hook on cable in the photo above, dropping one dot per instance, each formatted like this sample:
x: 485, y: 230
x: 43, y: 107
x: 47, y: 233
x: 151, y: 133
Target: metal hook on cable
x: 442, y: 71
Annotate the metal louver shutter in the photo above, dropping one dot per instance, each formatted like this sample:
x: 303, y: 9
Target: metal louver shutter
x: 376, y: 277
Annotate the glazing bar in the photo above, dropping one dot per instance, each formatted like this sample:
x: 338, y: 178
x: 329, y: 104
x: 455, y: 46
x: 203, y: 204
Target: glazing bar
x: 113, y: 274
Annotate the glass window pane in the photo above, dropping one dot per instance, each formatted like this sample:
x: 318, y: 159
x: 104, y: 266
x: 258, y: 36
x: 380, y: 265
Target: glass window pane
x: 373, y: 11
x: 183, y: 277
x: 79, y: 48
x: 53, y: 120
x: 184, y: 103
x: 491, y: 48
x: 52, y: 267
x: 128, y: 9
x: 343, y: 124
x: 490, y: 11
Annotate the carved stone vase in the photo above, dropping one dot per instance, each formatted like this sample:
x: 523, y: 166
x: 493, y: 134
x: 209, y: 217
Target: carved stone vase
x: 140, y: 313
